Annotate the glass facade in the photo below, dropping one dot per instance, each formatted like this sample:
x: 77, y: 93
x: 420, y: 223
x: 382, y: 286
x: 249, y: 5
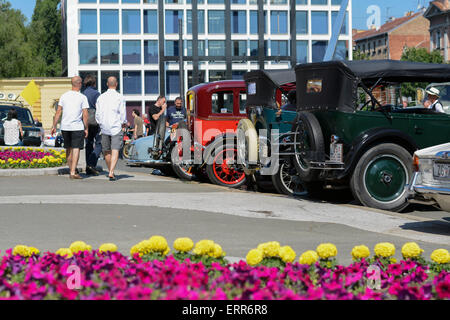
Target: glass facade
x: 139, y: 40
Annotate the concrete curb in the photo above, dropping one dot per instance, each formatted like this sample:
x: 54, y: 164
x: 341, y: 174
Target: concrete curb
x: 35, y: 172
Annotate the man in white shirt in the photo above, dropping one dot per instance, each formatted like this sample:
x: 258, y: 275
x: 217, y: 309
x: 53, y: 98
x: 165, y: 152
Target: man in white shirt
x: 74, y: 109
x: 433, y: 97
x: 111, y: 116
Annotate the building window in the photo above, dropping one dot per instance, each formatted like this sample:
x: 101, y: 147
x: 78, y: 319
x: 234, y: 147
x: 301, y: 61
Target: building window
x: 132, y: 82
x: 173, y: 82
x: 253, y: 48
x: 88, y: 22
x: 104, y: 79
x: 172, y: 17
x: 318, y: 50
x: 216, y: 20
x: 217, y: 75
x: 151, y: 82
x: 279, y: 48
x: 131, y: 22
x: 239, y: 48
x: 151, y: 54
x: 238, y: 75
x: 239, y: 22
x: 150, y: 22
x: 201, y: 78
x: 342, y: 50
x: 131, y: 52
x: 301, y: 22
x: 109, y: 21
x: 216, y: 48
x: 201, y: 48
x: 344, y: 29
x: 87, y: 50
x: 172, y: 48
x: 278, y: 22
x: 200, y: 18
x: 109, y: 52
x: 319, y: 22
x: 302, y: 51
x: 319, y: 2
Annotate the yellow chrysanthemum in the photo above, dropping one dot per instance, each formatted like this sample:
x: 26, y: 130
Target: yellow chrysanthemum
x: 165, y: 253
x: 411, y: 250
x: 217, y: 252
x: 134, y: 249
x: 33, y: 250
x: 183, y: 244
x: 204, y: 247
x: 158, y: 244
x: 287, y: 254
x: 145, y: 247
x: 326, y: 250
x: 21, y: 250
x: 270, y: 249
x: 254, y: 257
x: 309, y: 257
x: 360, y: 252
x: 108, y: 247
x: 79, y: 246
x: 65, y: 252
x: 440, y: 256
x: 384, y: 250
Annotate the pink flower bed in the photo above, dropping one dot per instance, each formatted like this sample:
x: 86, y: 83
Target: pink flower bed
x: 23, y: 155
x: 115, y: 276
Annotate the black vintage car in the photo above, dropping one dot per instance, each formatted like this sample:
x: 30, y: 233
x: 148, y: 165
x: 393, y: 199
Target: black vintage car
x: 352, y: 130
x: 32, y: 135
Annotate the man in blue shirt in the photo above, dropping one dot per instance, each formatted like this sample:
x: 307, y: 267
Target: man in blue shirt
x: 177, y: 113
x: 93, y: 141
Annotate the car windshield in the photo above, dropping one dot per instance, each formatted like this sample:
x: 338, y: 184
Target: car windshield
x: 23, y: 115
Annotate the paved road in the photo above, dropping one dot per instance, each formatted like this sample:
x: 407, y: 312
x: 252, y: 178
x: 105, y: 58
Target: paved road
x: 51, y: 212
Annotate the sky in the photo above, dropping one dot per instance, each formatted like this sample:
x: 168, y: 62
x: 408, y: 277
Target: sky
x: 389, y: 8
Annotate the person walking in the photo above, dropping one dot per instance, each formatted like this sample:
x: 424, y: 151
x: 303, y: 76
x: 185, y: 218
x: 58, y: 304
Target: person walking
x: 73, y: 106
x: 13, y: 130
x: 93, y: 141
x: 111, y: 116
x: 138, y: 125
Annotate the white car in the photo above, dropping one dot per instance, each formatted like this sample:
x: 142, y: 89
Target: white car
x: 431, y: 182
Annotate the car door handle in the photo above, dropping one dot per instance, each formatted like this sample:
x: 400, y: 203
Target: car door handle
x: 418, y: 130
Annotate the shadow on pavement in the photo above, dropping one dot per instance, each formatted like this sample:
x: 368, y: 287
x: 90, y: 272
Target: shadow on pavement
x: 434, y: 227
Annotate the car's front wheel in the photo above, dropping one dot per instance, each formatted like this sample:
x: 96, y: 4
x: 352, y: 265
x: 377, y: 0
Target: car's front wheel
x: 380, y: 177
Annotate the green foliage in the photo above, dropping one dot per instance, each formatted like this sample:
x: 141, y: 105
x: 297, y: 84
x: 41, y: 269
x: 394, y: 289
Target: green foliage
x: 15, y: 51
x: 418, y: 55
x: 358, y: 55
x: 32, y: 50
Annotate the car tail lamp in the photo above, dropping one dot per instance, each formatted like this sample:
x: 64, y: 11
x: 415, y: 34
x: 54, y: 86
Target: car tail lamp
x: 416, y: 163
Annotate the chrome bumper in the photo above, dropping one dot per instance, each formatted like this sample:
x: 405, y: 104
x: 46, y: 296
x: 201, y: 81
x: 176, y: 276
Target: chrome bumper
x: 149, y: 163
x: 428, y: 195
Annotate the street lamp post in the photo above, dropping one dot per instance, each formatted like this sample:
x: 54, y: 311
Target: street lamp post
x: 181, y: 55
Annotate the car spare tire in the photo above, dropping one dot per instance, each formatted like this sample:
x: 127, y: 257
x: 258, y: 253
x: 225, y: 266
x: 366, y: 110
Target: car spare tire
x: 309, y: 141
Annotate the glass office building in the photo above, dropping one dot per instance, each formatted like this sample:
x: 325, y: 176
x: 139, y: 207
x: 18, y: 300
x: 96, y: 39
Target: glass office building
x: 138, y: 40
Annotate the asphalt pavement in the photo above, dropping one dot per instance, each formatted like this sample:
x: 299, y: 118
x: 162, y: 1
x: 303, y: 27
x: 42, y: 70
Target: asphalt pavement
x: 50, y: 212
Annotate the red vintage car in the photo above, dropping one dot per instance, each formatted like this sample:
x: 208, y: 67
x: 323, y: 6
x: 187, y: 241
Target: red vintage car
x: 213, y: 113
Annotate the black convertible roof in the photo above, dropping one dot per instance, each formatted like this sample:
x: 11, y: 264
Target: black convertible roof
x: 278, y: 77
x: 389, y: 70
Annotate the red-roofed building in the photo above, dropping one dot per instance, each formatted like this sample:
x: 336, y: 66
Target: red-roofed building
x: 438, y: 13
x: 389, y: 41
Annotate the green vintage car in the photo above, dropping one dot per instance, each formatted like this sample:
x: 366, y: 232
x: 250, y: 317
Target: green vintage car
x: 352, y: 130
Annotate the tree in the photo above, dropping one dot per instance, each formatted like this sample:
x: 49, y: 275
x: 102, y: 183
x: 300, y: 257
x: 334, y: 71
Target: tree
x: 418, y: 55
x: 15, y: 51
x: 45, y: 37
x: 358, y: 55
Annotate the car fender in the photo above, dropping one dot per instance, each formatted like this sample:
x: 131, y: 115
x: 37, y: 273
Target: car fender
x: 219, y: 140
x: 373, y: 137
